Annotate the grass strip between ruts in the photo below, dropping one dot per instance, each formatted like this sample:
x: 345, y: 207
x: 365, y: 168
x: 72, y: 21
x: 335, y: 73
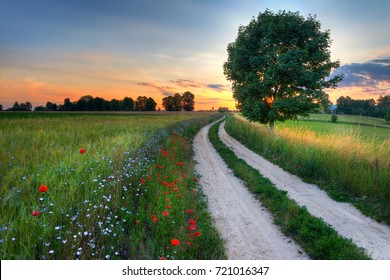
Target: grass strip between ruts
x: 319, y: 240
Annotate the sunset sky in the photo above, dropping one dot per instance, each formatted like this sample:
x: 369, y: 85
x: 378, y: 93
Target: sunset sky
x: 53, y: 49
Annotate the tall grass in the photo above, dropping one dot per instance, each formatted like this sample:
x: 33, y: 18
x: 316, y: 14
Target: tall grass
x: 349, y: 168
x: 99, y: 203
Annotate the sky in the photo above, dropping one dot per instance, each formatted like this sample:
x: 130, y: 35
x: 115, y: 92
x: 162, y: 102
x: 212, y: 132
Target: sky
x: 56, y: 49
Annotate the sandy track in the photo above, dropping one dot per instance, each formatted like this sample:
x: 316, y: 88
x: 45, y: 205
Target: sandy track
x: 246, y: 228
x: 343, y: 217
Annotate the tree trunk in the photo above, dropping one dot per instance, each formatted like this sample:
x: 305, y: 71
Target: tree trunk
x: 271, y: 127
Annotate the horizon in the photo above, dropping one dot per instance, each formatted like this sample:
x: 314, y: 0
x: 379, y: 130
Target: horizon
x: 50, y: 51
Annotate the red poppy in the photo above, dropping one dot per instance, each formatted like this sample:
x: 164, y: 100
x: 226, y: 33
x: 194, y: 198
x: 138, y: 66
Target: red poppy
x: 172, y: 184
x: 189, y: 211
x: 155, y: 220
x: 191, y: 227
x: 82, y: 151
x: 176, y: 189
x: 188, y: 242
x: 165, y: 183
x: 164, y: 193
x: 195, y: 179
x: 197, y: 233
x: 192, y: 235
x: 43, y: 188
x: 192, y: 222
x: 180, y: 163
x: 35, y: 213
x: 142, y: 181
x: 165, y: 213
x: 175, y: 242
x: 184, y: 175
x: 179, y: 195
x: 163, y: 258
x: 168, y: 206
x: 137, y: 221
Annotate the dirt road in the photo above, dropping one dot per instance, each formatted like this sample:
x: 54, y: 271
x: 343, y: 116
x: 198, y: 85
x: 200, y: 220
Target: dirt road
x: 343, y: 217
x: 247, y: 229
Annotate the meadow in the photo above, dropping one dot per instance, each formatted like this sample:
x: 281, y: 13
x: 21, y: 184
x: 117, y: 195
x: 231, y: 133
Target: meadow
x: 349, y: 159
x: 102, y: 186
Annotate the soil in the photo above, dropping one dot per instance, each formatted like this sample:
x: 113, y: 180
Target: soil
x: 245, y: 226
x: 343, y: 217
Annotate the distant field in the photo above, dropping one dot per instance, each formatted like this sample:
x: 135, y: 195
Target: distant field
x: 368, y: 129
x: 107, y: 179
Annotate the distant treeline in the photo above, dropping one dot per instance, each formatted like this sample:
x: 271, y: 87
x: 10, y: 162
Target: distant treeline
x: 368, y: 107
x: 89, y: 103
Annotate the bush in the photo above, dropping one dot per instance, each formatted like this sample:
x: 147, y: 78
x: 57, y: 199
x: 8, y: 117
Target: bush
x: 334, y: 118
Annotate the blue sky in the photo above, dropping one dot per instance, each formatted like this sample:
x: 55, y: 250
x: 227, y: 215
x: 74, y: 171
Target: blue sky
x: 50, y: 50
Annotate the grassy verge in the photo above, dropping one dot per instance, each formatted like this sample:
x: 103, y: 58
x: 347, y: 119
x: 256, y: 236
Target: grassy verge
x: 118, y: 187
x: 318, y: 239
x: 348, y: 168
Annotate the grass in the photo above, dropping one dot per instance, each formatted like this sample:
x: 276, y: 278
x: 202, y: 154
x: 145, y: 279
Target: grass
x: 371, y: 130
x: 347, y: 166
x: 106, y: 203
x: 319, y: 240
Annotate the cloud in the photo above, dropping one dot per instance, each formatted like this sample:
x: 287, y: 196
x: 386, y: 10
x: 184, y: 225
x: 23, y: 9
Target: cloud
x: 368, y: 74
x: 186, y: 83
x: 166, y: 91
x: 217, y: 87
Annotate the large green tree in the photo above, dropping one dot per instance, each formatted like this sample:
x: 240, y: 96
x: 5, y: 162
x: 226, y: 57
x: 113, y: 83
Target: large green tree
x: 279, y: 66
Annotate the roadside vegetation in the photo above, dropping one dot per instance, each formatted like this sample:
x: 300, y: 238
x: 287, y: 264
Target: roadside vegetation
x: 319, y: 240
x: 349, y: 159
x: 102, y: 186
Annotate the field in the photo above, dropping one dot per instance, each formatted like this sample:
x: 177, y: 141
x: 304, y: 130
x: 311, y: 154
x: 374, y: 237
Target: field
x: 349, y: 159
x: 102, y: 186
x: 366, y: 128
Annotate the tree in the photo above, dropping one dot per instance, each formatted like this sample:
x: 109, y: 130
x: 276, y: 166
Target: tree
x: 128, y: 104
x: 279, y: 66
x: 115, y: 105
x: 177, y: 102
x: 150, y: 104
x: 167, y: 102
x: 1, y: 107
x: 188, y: 101
x: 140, y: 104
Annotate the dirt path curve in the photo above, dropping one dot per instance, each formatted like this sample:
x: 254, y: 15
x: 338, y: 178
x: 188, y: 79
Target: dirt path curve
x: 246, y: 228
x: 343, y: 217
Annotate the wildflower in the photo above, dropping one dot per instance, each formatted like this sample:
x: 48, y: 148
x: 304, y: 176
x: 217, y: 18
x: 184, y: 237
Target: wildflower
x: 175, y: 242
x: 179, y: 195
x: 197, y: 233
x: 168, y: 206
x: 82, y: 151
x: 155, y: 219
x: 164, y: 193
x: 195, y: 179
x: 188, y: 242
x: 163, y: 258
x: 191, y: 227
x: 137, y: 221
x: 43, y: 188
x: 176, y: 189
x: 192, y: 235
x: 189, y: 211
x: 142, y: 181
x: 51, y: 252
x: 192, y: 222
x: 165, y: 213
x: 35, y: 213
x: 180, y: 163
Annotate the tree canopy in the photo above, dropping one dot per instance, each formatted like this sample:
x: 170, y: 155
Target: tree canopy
x: 279, y: 66
x: 179, y: 102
